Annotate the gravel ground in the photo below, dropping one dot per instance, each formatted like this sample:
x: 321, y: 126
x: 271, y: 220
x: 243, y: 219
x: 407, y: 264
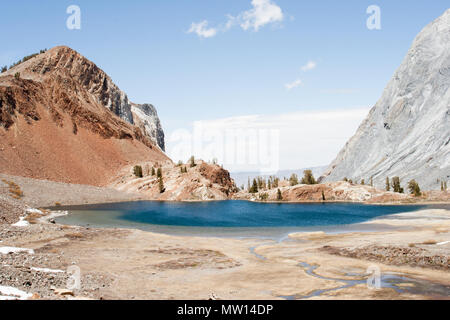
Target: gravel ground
x: 45, y: 271
x: 42, y: 193
x: 36, y: 273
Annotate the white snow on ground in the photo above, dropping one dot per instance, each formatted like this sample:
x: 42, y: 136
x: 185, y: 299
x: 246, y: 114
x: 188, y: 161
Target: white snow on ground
x: 46, y: 270
x: 21, y: 223
x: 10, y: 293
x: 442, y: 243
x: 31, y: 210
x: 8, y: 250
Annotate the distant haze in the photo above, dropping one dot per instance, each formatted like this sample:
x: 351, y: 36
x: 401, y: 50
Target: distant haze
x: 241, y: 178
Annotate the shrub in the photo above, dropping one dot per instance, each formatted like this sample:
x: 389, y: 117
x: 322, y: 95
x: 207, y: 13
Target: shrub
x: 308, y: 177
x: 153, y: 171
x: 263, y: 196
x: 4, y: 69
x: 363, y: 182
x: 137, y: 170
x: 17, y: 75
x: 388, y: 184
x: 159, y: 173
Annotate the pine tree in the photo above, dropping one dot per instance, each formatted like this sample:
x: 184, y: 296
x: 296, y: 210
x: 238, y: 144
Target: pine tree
x: 363, y: 182
x: 396, y: 185
x: 371, y: 181
x: 153, y: 171
x: 293, y: 180
x: 162, y: 189
x: 4, y: 69
x: 279, y: 195
x: 159, y: 173
x: 308, y: 177
x: 192, y: 162
x: 388, y: 184
x: 254, y: 188
x: 414, y: 188
x: 323, y: 196
x: 137, y: 170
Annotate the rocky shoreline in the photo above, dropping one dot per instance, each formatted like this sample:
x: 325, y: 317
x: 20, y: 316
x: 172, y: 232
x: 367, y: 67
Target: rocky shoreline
x: 35, y: 255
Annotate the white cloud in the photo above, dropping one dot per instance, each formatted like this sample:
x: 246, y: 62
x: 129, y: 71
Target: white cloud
x: 268, y: 143
x: 292, y: 85
x: 262, y: 13
x: 202, y: 30
x: 309, y: 66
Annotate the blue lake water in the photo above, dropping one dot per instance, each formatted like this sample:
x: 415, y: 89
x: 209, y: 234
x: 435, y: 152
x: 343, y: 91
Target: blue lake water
x: 216, y: 218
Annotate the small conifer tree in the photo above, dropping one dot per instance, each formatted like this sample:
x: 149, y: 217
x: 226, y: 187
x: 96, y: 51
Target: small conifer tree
x: 279, y: 195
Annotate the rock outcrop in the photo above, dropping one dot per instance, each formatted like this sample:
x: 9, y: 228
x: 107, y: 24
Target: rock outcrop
x: 407, y: 133
x: 334, y: 191
x: 203, y: 182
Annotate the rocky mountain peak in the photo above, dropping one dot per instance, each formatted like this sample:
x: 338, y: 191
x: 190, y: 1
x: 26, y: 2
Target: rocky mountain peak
x: 66, y: 65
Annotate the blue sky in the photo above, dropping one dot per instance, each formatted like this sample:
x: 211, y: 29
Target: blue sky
x: 146, y: 48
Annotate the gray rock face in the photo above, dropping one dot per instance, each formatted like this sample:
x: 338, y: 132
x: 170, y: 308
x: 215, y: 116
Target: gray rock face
x: 146, y: 118
x: 407, y: 133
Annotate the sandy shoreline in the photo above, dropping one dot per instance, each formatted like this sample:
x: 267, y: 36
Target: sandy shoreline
x: 134, y: 264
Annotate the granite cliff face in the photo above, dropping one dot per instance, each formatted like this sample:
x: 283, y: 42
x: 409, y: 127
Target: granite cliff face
x: 407, y: 133
x: 146, y: 118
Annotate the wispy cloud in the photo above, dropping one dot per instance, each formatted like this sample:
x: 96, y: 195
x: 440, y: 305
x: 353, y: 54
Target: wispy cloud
x: 292, y: 85
x: 263, y: 12
x: 202, y: 30
x: 309, y: 66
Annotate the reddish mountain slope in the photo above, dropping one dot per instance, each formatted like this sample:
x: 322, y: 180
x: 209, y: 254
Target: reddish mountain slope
x: 63, y: 119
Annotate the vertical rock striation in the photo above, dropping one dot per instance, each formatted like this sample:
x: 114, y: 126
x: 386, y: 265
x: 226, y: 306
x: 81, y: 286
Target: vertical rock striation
x: 407, y: 133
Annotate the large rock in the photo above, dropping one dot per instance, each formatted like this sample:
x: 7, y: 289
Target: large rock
x: 407, y: 133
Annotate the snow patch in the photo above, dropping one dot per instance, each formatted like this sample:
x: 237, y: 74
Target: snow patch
x: 31, y: 210
x: 21, y: 223
x: 10, y: 293
x: 8, y: 250
x: 46, y: 270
